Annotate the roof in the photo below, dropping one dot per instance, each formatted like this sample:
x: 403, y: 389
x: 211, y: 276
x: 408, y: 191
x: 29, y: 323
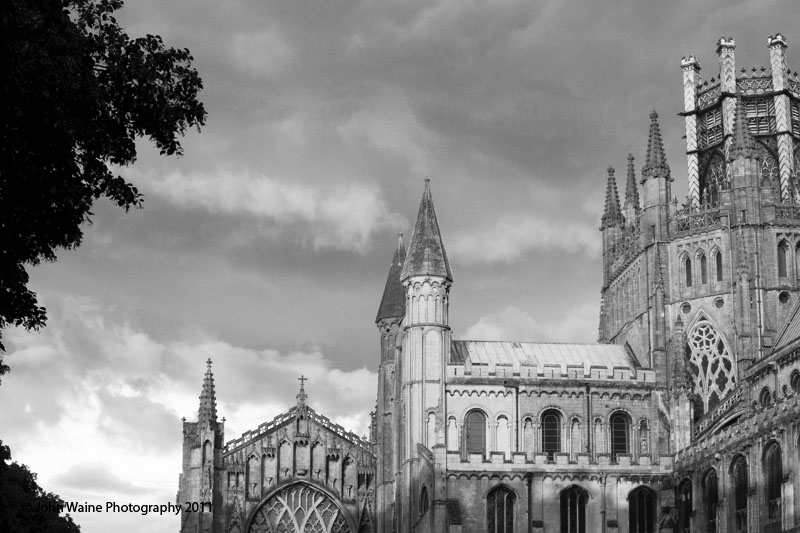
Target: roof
x: 611, y: 214
x: 540, y: 354
x: 426, y: 255
x: 656, y: 161
x: 393, y: 303
x: 791, y: 329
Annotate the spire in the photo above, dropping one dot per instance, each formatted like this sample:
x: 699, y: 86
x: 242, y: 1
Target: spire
x: 631, y: 190
x: 208, y: 398
x: 302, y: 396
x: 426, y: 255
x: 742, y: 142
x: 656, y: 163
x: 611, y: 215
x: 393, y: 303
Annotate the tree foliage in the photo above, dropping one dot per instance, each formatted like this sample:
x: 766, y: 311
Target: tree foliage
x: 24, y: 505
x: 77, y: 92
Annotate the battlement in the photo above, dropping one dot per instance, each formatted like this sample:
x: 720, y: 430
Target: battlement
x: 565, y: 371
x: 539, y: 462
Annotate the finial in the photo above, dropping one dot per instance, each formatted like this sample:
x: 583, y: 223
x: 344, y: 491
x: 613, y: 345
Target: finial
x: 208, y: 363
x: 726, y: 43
x: 302, y: 396
x: 653, y: 116
x: 776, y: 40
x: 610, y: 171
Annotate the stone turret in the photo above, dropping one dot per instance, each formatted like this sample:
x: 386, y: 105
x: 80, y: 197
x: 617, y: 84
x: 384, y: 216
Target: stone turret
x: 656, y: 180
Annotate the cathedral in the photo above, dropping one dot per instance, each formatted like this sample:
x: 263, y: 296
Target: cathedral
x: 685, y: 416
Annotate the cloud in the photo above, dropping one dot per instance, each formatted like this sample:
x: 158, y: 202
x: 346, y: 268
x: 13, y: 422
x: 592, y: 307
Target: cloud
x: 513, y: 324
x: 96, y: 477
x: 341, y: 216
x: 514, y: 236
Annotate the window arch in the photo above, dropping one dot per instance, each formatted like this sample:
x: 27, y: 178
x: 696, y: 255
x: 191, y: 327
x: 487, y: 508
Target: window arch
x: 642, y: 511
x: 740, y: 488
x: 424, y: 501
x: 703, y: 268
x: 711, y: 366
x: 764, y: 398
x: 573, y: 510
x: 685, y: 506
x: 710, y: 499
x: 475, y: 432
x: 527, y: 434
x: 718, y: 264
x: 783, y: 252
x: 620, y: 430
x: 773, y: 478
x: 795, y: 381
x: 503, y: 435
x: 687, y: 271
x: 551, y: 433
x: 500, y: 510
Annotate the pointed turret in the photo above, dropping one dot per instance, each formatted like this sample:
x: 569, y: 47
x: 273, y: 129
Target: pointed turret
x: 742, y: 142
x: 393, y: 303
x: 656, y: 163
x: 208, y: 398
x: 426, y: 255
x: 612, y: 215
x: 631, y: 190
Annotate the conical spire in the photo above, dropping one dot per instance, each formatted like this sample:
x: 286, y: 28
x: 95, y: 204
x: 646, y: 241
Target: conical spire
x: 208, y: 398
x: 742, y: 143
x: 426, y: 255
x: 656, y: 162
x: 631, y: 190
x: 393, y: 303
x: 612, y: 214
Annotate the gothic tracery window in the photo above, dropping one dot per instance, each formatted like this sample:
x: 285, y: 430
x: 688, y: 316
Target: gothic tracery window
x: 642, y: 505
x: 573, y: 510
x: 711, y: 365
x: 299, y: 507
x: 500, y: 510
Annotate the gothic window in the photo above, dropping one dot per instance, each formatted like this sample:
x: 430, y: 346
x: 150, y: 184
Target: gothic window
x: 760, y: 114
x: 718, y: 264
x: 619, y: 424
x: 710, y: 127
x: 685, y: 507
x: 765, y: 398
x: 253, y: 478
x: 475, y: 432
x: 795, y: 381
x: 773, y: 477
x: 710, y: 500
x: 703, y: 269
x: 713, y: 181
x: 687, y: 270
x: 299, y: 507
x: 783, y: 252
x: 551, y: 433
x: 573, y: 510
x: 642, y: 513
x: 739, y: 475
x: 769, y: 168
x: 503, y: 435
x: 500, y: 510
x: 423, y: 501
x: 711, y: 366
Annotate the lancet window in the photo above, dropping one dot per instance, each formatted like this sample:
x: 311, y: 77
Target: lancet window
x: 783, y: 254
x: 703, y: 269
x: 500, y: 510
x: 573, y: 510
x: 687, y: 271
x: 773, y: 477
x: 475, y: 432
x: 642, y: 505
x: 739, y: 475
x: 718, y: 264
x: 685, y: 507
x: 711, y: 365
x: 620, y: 428
x: 710, y: 500
x: 551, y: 433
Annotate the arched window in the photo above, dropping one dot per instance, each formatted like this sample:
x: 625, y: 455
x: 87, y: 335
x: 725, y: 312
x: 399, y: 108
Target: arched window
x: 475, y: 432
x: 703, y: 269
x: 765, y: 398
x: 503, y: 436
x: 711, y: 366
x: 642, y: 505
x: 423, y: 501
x: 619, y: 435
x: 685, y: 506
x: 773, y: 474
x: 795, y: 381
x: 500, y: 510
x: 527, y: 435
x: 687, y: 270
x: 718, y: 263
x: 573, y: 510
x: 710, y: 499
x: 739, y: 475
x: 551, y: 433
x: 783, y: 251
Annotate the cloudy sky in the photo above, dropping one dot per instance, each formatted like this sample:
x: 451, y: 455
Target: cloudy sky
x: 267, y: 245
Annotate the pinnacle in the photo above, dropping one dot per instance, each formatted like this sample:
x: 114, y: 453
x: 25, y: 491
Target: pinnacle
x: 611, y: 214
x: 742, y: 143
x: 426, y: 255
x: 393, y: 303
x: 655, y: 164
x: 208, y: 398
x: 631, y: 190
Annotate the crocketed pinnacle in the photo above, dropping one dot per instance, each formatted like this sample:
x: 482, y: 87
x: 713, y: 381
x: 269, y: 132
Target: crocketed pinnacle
x: 426, y: 255
x: 656, y: 163
x: 742, y: 143
x: 393, y: 303
x: 208, y: 398
x: 612, y: 215
x: 631, y: 190
x: 301, y: 395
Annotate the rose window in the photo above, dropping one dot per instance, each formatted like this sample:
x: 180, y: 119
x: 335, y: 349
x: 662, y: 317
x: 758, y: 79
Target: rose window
x: 711, y: 365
